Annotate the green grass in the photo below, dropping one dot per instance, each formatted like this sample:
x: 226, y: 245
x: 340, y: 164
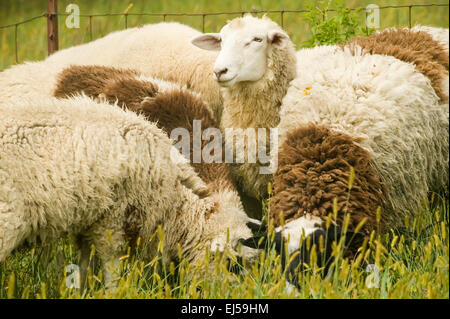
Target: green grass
x: 32, y: 43
x: 413, y: 261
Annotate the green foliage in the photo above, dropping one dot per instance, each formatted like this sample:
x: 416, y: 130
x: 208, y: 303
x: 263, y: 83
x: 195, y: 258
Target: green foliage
x: 331, y: 27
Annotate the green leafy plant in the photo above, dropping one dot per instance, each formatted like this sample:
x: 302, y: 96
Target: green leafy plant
x: 331, y: 22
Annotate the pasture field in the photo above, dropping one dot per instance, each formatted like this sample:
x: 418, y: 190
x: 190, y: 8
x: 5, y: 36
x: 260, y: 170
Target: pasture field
x: 407, y: 262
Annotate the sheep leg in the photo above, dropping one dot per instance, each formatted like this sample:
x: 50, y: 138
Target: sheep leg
x: 85, y: 252
x: 14, y: 226
x: 12, y: 230
x: 109, y: 240
x: 112, y: 274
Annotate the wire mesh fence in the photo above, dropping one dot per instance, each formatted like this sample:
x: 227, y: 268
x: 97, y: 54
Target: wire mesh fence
x: 163, y: 16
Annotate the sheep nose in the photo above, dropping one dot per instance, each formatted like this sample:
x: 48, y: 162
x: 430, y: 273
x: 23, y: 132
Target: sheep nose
x: 221, y: 72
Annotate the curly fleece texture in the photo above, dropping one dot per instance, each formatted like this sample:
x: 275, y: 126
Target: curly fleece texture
x: 314, y: 169
x: 73, y: 166
x: 429, y: 56
x: 387, y: 107
x: 168, y: 105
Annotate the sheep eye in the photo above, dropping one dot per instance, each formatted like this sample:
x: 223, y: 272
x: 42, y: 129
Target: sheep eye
x: 256, y: 39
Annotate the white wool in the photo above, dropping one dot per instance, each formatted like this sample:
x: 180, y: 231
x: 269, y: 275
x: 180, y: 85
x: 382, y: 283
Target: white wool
x: 74, y: 167
x: 160, y: 50
x: 385, y: 103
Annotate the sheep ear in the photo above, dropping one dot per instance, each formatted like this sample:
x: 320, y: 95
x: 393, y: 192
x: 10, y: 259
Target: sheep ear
x: 208, y: 41
x: 255, y: 241
x: 262, y: 241
x: 278, y: 38
x: 255, y: 226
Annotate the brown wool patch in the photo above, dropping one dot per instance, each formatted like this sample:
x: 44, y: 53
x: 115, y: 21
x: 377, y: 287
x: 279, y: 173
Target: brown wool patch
x: 418, y: 48
x: 184, y: 109
x: 88, y: 79
x: 129, y: 92
x: 174, y: 109
x: 212, y: 210
x: 314, y: 169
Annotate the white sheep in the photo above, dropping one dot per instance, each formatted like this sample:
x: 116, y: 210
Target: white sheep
x: 160, y: 50
x: 106, y: 176
x: 244, y: 64
x: 253, y: 97
x: 172, y: 108
x: 256, y: 62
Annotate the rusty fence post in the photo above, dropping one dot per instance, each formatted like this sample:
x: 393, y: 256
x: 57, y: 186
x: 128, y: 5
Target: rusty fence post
x: 52, y: 26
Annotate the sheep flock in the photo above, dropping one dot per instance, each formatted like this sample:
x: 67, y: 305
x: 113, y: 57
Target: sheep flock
x: 93, y: 139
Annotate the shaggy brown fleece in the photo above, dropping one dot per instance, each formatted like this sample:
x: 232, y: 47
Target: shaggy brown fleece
x: 129, y: 92
x: 418, y: 48
x: 314, y: 169
x: 179, y: 109
x: 88, y: 79
x: 174, y: 109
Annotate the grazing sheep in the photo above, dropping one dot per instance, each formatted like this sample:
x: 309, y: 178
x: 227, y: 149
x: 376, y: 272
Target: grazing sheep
x: 160, y: 50
x: 380, y: 113
x: 398, y: 49
x: 373, y: 112
x: 254, y: 67
x: 249, y: 103
x: 105, y: 175
x: 170, y: 107
x: 385, y: 114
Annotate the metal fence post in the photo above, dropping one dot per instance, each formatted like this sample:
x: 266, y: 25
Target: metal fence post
x: 52, y: 26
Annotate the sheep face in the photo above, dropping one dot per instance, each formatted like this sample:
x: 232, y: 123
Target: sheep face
x: 228, y: 226
x: 295, y: 234
x: 245, y: 45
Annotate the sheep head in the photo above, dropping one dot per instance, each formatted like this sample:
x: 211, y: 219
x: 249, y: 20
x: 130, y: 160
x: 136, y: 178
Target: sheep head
x: 228, y: 225
x: 245, y: 46
x: 293, y: 237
